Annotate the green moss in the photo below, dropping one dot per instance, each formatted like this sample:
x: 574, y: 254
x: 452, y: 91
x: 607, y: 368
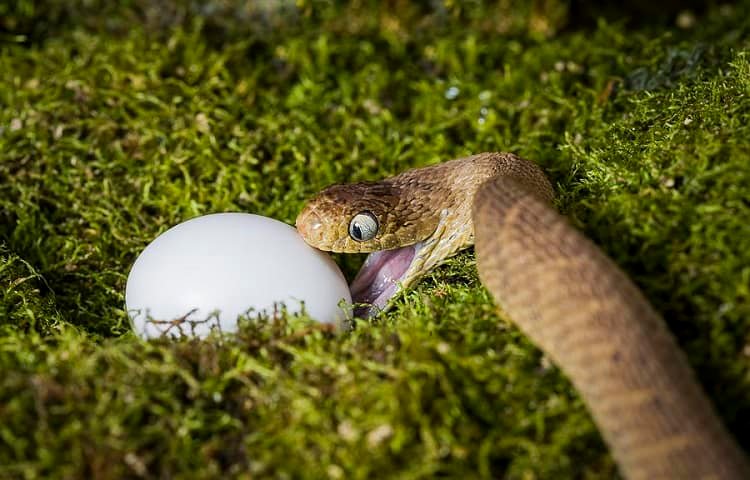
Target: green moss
x: 110, y: 132
x: 25, y: 302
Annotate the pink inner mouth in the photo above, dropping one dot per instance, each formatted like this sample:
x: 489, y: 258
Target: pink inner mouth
x: 378, y: 278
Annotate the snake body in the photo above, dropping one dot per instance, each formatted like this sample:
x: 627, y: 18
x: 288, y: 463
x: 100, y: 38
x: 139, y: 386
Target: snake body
x: 553, y: 283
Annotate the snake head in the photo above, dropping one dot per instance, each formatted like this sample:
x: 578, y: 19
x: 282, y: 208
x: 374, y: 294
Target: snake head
x: 409, y: 223
x: 364, y: 217
x: 400, y: 221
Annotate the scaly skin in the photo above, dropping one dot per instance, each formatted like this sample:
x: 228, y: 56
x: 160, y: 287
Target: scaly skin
x: 560, y: 290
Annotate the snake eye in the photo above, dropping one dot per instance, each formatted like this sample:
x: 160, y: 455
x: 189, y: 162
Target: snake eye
x: 363, y: 227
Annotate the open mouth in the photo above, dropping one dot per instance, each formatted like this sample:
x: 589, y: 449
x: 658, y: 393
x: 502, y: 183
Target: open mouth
x: 378, y: 279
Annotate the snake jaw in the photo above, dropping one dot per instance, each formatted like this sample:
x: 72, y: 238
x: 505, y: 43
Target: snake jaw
x: 387, y: 272
x: 380, y: 277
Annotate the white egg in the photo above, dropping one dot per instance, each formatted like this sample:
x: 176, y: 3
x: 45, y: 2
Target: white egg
x: 210, y: 270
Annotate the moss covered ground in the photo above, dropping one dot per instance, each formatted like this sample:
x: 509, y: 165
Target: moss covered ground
x: 118, y: 120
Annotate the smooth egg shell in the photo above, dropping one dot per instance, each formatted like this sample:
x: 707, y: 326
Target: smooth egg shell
x: 230, y: 264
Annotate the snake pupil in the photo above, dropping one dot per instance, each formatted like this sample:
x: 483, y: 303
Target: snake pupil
x: 357, y: 232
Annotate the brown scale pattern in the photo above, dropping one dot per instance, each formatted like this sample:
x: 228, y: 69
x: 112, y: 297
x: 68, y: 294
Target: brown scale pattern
x: 585, y: 313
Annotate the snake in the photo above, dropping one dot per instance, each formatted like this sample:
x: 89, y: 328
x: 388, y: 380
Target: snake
x: 546, y: 277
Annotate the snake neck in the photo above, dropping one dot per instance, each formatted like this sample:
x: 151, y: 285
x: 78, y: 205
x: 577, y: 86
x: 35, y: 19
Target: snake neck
x: 457, y: 183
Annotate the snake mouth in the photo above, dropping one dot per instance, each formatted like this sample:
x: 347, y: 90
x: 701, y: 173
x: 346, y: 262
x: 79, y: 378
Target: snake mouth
x: 378, y: 279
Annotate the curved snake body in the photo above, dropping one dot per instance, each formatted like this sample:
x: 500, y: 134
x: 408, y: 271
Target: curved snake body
x: 554, y: 284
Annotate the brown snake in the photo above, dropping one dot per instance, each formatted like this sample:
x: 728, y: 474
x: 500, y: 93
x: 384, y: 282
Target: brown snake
x: 553, y: 283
